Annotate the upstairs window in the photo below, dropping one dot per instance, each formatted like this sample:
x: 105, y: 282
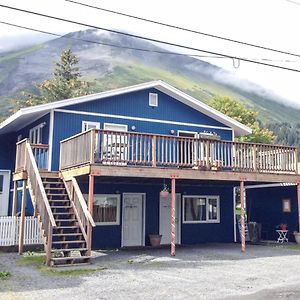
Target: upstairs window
x: 87, y: 125
x: 35, y: 134
x: 153, y: 99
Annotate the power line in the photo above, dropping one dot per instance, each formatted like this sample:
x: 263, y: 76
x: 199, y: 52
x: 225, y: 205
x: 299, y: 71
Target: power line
x: 125, y: 47
x: 183, y: 28
x: 148, y: 39
x: 107, y: 44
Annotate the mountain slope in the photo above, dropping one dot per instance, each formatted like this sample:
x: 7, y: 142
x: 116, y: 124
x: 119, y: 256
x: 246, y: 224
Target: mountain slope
x: 112, y: 67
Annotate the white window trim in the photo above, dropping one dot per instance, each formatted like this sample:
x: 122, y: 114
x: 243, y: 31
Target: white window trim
x: 206, y: 197
x: 117, y: 222
x: 156, y: 99
x: 115, y: 124
x: 187, y: 131
x: 84, y: 123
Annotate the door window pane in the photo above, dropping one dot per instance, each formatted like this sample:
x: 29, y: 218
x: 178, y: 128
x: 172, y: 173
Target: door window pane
x: 1, y: 183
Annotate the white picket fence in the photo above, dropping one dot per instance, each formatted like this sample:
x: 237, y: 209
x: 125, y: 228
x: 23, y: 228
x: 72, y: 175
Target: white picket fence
x: 9, y: 231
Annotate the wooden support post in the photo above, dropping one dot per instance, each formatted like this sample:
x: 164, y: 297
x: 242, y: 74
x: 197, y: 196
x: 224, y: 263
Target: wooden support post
x: 90, y: 208
x: 298, y: 198
x: 15, y: 199
x: 22, y: 220
x: 242, y: 198
x: 173, y: 216
x: 49, y: 245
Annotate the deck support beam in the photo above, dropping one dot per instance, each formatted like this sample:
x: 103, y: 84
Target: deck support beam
x: 242, y: 200
x: 173, y: 216
x: 15, y: 199
x: 90, y: 208
x: 298, y: 199
x: 22, y: 221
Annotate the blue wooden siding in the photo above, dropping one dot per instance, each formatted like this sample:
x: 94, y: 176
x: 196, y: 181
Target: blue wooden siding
x: 68, y: 124
x: 136, y: 104
x: 110, y: 236
x: 7, y: 151
x: 264, y: 205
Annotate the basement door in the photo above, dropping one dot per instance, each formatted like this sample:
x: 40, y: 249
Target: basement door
x: 165, y: 219
x: 4, y: 192
x: 133, y: 217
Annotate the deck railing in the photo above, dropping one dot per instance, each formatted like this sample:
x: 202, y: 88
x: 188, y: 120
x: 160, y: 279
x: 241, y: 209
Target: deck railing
x: 130, y: 148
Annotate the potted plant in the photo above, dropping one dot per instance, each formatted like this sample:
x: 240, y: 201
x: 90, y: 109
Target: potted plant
x: 297, y: 237
x: 155, y: 239
x: 164, y: 193
x: 283, y: 226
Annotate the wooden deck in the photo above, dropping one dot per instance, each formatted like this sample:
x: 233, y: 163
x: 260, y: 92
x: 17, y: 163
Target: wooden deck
x: 107, y: 153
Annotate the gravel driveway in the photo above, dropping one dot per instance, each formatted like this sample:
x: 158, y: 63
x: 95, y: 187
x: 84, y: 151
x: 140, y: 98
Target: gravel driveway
x: 199, y: 272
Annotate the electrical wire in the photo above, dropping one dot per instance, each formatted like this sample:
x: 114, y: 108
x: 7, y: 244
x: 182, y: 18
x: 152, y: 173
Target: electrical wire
x: 183, y: 28
x: 127, y: 47
x: 147, y: 39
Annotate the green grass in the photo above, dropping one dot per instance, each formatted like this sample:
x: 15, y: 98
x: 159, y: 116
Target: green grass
x: 294, y: 247
x: 38, y: 260
x: 16, y: 54
x: 4, y: 275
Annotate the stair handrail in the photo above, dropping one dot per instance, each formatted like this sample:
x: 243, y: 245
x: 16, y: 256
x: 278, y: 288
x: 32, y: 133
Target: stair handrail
x: 82, y: 202
x: 32, y: 163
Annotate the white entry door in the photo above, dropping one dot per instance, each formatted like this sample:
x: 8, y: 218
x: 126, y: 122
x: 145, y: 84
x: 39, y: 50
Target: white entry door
x: 4, y: 192
x: 165, y: 219
x: 133, y: 233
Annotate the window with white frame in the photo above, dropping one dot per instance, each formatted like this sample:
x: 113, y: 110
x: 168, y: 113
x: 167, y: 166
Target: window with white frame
x: 106, y: 209
x: 153, y: 99
x: 35, y: 134
x: 201, y: 209
x: 87, y: 125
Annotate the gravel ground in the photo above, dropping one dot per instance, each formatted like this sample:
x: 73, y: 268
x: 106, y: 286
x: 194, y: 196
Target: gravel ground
x: 199, y: 272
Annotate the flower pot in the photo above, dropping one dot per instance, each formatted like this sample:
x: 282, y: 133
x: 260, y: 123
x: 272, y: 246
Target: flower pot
x: 155, y: 239
x: 297, y: 237
x: 164, y: 194
x: 283, y: 227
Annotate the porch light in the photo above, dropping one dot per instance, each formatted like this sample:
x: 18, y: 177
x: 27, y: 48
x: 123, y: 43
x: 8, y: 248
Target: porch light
x: 172, y: 131
x: 133, y: 128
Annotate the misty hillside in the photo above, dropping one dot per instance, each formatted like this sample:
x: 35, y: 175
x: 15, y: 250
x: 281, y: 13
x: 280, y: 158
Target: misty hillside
x: 111, y: 67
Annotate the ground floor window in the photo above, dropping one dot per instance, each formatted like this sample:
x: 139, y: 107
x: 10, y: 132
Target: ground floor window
x: 106, y: 210
x: 201, y: 209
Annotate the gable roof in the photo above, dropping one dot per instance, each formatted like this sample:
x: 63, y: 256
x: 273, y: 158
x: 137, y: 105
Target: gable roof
x: 25, y: 115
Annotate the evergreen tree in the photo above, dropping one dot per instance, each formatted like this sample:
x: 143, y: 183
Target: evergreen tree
x: 65, y: 84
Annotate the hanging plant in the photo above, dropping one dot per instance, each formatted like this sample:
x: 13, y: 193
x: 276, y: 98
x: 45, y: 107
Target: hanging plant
x: 164, y: 193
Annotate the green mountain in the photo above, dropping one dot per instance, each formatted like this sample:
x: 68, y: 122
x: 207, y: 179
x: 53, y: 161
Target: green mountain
x: 110, y: 67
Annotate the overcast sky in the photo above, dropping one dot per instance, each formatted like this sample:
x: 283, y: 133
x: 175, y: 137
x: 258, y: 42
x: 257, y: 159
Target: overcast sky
x: 270, y: 23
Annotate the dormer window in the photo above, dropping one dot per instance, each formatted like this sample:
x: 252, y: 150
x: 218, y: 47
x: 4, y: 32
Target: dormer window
x: 153, y: 99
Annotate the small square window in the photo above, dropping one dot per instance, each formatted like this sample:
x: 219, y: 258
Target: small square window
x: 153, y: 99
x: 87, y: 125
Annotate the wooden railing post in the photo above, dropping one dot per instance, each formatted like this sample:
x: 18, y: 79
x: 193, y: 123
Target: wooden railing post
x: 93, y: 146
x: 254, y: 149
x: 49, y: 244
x: 90, y: 208
x: 22, y: 219
x: 154, y: 151
x: 296, y: 160
x: 207, y: 154
x: 15, y: 199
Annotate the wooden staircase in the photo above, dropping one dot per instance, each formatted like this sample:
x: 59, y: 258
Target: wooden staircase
x: 69, y: 247
x: 65, y: 220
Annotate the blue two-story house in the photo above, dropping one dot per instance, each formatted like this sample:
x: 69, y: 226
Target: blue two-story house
x: 95, y: 166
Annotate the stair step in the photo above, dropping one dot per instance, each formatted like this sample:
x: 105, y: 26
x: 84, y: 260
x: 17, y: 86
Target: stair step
x: 62, y: 213
x: 66, y: 227
x: 61, y: 206
x: 68, y: 250
x: 65, y: 220
x: 58, y: 200
x: 67, y: 234
x: 70, y: 258
x: 68, y: 242
x: 54, y: 188
x: 69, y: 265
x: 52, y: 182
x: 56, y: 194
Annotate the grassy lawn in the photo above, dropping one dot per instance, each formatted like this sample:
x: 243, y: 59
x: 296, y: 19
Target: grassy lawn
x: 4, y: 275
x: 294, y: 247
x: 38, y: 259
